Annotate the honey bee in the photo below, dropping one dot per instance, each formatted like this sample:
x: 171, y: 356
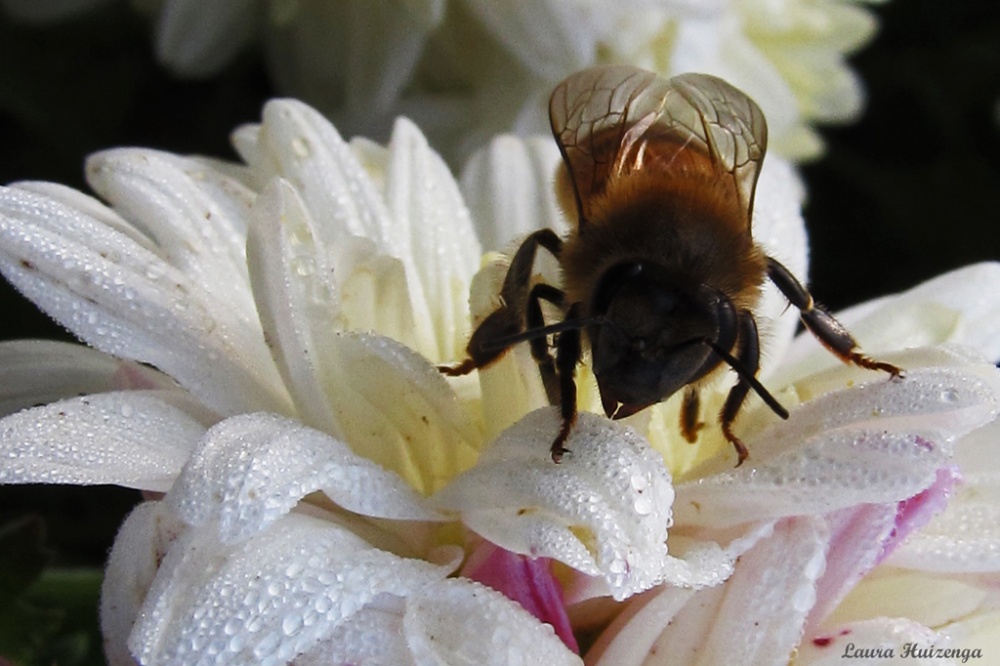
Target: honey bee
x: 661, y: 275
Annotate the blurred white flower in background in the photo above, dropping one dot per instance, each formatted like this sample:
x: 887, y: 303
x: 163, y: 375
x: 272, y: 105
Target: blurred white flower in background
x: 318, y: 492
x: 467, y: 69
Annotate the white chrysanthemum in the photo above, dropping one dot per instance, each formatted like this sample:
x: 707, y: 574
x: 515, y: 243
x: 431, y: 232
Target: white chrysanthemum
x: 467, y: 69
x: 330, y: 498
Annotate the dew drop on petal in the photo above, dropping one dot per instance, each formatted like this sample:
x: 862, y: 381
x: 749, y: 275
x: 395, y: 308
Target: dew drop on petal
x: 643, y: 506
x: 291, y: 623
x: 301, y: 146
x: 949, y: 395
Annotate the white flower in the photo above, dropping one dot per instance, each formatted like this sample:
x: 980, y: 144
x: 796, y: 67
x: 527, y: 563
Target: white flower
x: 467, y: 69
x: 330, y: 498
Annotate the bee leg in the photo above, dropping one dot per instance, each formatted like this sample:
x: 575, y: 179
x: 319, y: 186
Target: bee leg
x: 689, y: 416
x: 748, y: 355
x: 821, y: 323
x: 508, y: 319
x: 540, y: 345
x: 568, y: 353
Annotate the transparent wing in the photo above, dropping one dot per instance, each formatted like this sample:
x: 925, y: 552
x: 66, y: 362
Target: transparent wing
x: 614, y: 120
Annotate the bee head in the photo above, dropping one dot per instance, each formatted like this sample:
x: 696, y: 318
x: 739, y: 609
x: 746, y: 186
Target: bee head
x: 651, y: 335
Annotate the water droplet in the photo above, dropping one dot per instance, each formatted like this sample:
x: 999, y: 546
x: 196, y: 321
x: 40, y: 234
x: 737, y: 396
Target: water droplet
x: 949, y: 395
x: 291, y: 623
x: 643, y: 506
x: 301, y: 146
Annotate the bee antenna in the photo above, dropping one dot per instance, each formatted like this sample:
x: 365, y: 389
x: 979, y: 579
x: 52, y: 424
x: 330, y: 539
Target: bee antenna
x: 748, y: 377
x: 542, y: 331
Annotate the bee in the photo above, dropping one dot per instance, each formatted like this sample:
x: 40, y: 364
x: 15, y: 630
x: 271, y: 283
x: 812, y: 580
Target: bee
x: 661, y: 275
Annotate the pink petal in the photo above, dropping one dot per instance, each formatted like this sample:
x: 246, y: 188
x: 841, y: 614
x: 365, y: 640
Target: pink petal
x: 915, y: 512
x: 864, y: 536
x: 528, y: 581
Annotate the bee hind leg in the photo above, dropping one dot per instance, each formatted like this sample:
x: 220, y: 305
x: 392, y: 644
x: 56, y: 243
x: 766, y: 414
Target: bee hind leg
x: 690, y: 425
x: 821, y: 323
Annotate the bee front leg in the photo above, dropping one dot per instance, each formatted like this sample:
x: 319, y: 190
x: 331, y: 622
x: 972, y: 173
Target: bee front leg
x: 568, y: 352
x: 485, y: 346
x: 821, y: 323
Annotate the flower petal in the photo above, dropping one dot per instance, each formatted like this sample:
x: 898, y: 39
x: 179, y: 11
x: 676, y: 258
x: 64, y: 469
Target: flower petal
x: 965, y: 537
x: 378, y: 69
x: 962, y: 306
x: 354, y: 640
x: 877, y: 442
x: 34, y: 372
x: 132, y: 439
x: 125, y: 299
x: 872, y: 641
x: 139, y: 547
x: 433, y: 227
x: 508, y: 187
x: 932, y: 600
x: 758, y: 613
x: 459, y: 622
x: 298, y: 144
x: 779, y: 228
x: 196, y: 214
x: 528, y: 581
x: 548, y: 38
x: 297, y: 298
x: 198, y: 39
x: 858, y: 537
x: 268, y: 598
x: 251, y: 470
x: 604, y: 510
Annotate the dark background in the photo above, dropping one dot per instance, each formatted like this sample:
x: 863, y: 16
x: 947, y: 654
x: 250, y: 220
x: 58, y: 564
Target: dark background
x: 908, y: 192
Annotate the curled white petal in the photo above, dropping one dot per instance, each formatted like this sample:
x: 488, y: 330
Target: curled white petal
x: 131, y: 439
x: 758, y: 613
x: 139, y: 547
x: 604, y: 510
x: 268, y: 598
x: 251, y: 470
x: 460, y: 622
x: 965, y: 537
x: 353, y: 641
x: 882, y: 441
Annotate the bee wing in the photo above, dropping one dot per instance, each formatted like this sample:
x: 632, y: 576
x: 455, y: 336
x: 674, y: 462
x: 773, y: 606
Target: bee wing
x: 614, y: 120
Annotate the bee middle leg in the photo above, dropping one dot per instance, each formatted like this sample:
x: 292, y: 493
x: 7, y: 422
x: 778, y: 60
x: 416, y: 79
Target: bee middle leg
x: 821, y: 323
x: 748, y: 355
x: 540, y: 345
x: 492, y: 337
